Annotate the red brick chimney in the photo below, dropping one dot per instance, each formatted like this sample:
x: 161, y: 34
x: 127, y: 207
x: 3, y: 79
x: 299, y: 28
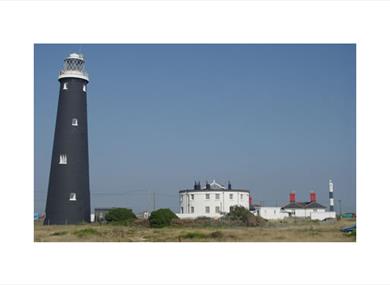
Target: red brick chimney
x: 313, y: 197
x: 292, y: 197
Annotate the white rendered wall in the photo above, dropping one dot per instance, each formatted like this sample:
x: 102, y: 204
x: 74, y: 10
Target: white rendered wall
x: 271, y: 213
x: 303, y: 213
x: 199, y: 202
x: 323, y: 215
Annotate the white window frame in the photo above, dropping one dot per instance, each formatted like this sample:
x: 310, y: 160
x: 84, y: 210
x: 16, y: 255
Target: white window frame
x: 217, y: 196
x: 207, y: 196
x: 75, y: 122
x: 84, y: 87
x: 72, y: 197
x: 65, y: 86
x: 63, y: 159
x: 207, y: 209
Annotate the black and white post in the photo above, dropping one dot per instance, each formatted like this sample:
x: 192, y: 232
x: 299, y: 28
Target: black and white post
x: 68, y: 197
x: 331, y: 198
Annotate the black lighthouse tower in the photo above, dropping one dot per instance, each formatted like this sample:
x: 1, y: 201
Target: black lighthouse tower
x: 68, y: 197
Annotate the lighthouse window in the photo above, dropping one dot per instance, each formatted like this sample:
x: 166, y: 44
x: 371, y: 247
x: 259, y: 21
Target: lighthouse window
x: 65, y: 87
x: 75, y: 122
x: 85, y: 88
x: 63, y: 159
x: 72, y: 197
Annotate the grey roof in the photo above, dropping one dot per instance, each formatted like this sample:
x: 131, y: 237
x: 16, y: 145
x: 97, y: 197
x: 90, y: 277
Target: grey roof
x: 314, y: 205
x: 304, y: 205
x: 294, y: 205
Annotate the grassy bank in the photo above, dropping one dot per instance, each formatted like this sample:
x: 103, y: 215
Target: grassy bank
x: 272, y: 231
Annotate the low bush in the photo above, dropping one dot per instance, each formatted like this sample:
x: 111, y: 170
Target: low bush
x: 86, y: 232
x: 200, y: 235
x: 120, y: 216
x: 242, y: 216
x: 194, y: 235
x: 161, y: 218
x: 198, y: 222
x: 59, y: 233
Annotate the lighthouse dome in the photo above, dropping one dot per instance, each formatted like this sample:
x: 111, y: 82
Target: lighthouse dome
x: 74, y: 67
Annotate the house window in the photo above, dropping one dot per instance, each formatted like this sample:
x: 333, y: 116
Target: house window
x: 207, y: 209
x: 182, y: 210
x: 241, y: 196
x: 231, y: 196
x: 72, y: 197
x: 216, y: 196
x: 65, y: 86
x: 217, y: 209
x: 63, y: 159
x: 192, y: 210
x: 75, y: 122
x: 207, y: 196
x: 85, y: 88
x: 192, y: 196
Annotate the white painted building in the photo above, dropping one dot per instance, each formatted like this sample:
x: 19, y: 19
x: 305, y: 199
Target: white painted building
x: 311, y: 209
x: 271, y: 213
x: 212, y: 201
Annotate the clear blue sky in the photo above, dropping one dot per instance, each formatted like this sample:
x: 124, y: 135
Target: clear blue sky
x: 269, y: 118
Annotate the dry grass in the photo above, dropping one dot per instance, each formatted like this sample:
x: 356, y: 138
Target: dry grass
x: 286, y: 231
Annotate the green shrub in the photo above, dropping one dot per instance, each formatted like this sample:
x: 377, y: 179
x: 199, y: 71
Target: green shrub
x: 200, y: 235
x: 161, y: 218
x: 241, y: 215
x: 86, y: 232
x: 194, y: 235
x: 121, y: 216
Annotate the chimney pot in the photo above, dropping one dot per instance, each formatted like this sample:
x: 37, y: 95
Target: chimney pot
x: 313, y: 197
x: 292, y: 197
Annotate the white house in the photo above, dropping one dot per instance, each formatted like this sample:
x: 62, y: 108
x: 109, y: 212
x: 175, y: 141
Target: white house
x: 311, y: 209
x: 213, y: 200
